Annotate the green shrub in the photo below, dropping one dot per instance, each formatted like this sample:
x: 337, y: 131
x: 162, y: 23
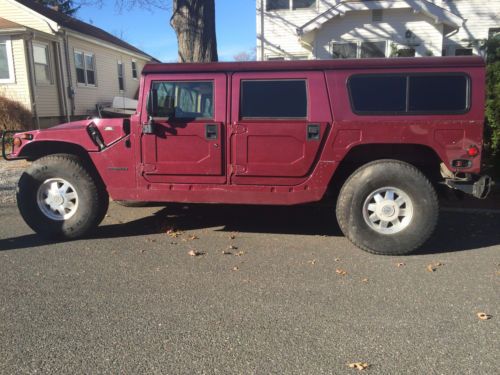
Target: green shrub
x: 14, y: 115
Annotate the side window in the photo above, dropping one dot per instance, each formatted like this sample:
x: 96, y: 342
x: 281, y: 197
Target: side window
x: 121, y: 78
x: 378, y: 93
x: 41, y: 62
x: 134, y: 69
x: 409, y: 93
x: 273, y: 99
x: 6, y: 61
x: 85, y: 68
x: 438, y: 93
x: 182, y: 100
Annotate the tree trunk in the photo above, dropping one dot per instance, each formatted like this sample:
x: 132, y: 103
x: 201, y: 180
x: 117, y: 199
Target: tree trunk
x: 194, y: 24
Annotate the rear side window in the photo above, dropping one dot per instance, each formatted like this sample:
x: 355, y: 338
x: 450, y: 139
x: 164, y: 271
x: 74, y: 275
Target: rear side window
x: 273, y: 99
x: 438, y: 93
x: 409, y: 93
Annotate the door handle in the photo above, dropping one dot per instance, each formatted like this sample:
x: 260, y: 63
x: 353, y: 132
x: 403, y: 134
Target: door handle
x: 211, y: 131
x: 313, y: 132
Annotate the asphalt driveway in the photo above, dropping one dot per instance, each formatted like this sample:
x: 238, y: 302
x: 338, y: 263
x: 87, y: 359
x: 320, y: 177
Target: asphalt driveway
x: 274, y: 290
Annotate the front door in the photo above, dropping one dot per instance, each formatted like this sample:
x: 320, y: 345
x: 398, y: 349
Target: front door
x: 185, y: 142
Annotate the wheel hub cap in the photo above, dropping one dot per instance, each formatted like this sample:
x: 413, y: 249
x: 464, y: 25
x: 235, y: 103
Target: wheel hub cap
x: 57, y: 199
x: 388, y: 210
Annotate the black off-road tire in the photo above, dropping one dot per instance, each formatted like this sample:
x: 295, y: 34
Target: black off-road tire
x: 378, y: 175
x: 93, y: 199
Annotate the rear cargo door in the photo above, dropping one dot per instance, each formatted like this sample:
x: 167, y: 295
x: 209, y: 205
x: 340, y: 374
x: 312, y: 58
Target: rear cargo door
x: 279, y: 123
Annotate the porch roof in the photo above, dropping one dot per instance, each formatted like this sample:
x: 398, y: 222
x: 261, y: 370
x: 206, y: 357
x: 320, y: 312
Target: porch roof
x: 438, y: 14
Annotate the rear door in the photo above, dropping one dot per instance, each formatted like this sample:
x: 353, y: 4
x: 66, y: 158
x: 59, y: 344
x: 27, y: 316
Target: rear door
x: 279, y: 123
x: 186, y: 145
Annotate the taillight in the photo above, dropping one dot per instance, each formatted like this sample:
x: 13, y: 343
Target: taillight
x: 473, y: 151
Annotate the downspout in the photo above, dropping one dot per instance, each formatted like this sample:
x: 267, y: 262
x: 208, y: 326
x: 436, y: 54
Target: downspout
x: 262, y: 30
x: 71, y: 90
x: 61, y: 85
x: 31, y: 77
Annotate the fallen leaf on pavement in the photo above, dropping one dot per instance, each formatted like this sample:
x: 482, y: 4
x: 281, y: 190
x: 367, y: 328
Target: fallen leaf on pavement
x: 173, y: 232
x: 194, y: 237
x: 433, y: 266
x: 240, y: 253
x: 232, y: 247
x: 225, y: 252
x: 400, y: 265
x: 337, y: 259
x: 365, y: 280
x: 358, y: 365
x: 340, y: 272
x: 235, y: 269
x: 195, y: 253
x: 483, y: 316
x: 313, y: 262
x: 143, y: 251
x: 232, y: 236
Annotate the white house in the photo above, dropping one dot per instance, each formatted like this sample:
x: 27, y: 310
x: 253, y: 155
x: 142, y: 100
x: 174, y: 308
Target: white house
x: 59, y: 67
x: 326, y: 29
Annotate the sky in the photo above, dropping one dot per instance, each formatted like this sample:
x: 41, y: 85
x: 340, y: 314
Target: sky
x: 151, y: 32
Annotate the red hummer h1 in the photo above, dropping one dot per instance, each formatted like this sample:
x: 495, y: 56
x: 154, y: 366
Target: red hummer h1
x: 381, y: 134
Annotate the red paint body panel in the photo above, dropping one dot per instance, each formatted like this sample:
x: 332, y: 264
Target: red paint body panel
x: 267, y: 161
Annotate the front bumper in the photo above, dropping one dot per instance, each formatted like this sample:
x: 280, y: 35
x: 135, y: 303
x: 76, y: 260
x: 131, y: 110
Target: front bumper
x: 6, y: 138
x: 477, y: 186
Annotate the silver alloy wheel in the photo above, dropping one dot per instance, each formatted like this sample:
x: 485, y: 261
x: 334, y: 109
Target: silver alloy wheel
x: 388, y: 210
x: 57, y: 199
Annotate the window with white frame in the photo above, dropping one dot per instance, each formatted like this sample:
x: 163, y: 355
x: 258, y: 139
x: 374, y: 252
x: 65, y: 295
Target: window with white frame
x: 289, y: 4
x: 85, y: 68
x: 134, y: 69
x: 121, y: 80
x: 358, y: 49
x: 6, y: 61
x: 41, y: 62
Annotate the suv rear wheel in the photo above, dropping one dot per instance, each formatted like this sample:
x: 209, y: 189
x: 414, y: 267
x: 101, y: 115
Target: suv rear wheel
x: 387, y: 207
x: 59, y: 199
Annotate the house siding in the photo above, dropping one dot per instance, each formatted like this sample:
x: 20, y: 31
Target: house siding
x: 17, y: 13
x: 106, y: 61
x: 281, y: 39
x: 18, y: 90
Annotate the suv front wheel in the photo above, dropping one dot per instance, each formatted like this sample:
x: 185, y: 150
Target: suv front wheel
x: 59, y: 199
x: 387, y: 207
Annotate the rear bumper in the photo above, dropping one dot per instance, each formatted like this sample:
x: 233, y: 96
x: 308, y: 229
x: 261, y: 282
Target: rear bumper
x: 477, y: 186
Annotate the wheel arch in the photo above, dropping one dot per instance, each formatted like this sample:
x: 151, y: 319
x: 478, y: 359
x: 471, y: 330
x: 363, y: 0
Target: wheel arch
x: 421, y: 156
x: 39, y: 149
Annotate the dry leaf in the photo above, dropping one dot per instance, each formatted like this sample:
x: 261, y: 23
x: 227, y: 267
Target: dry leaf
x: 341, y: 272
x: 195, y: 253
x: 400, y: 264
x: 484, y: 316
x: 232, y: 236
x: 240, y: 253
x: 235, y: 268
x: 232, y: 247
x: 173, y: 232
x: 433, y: 266
x: 337, y: 259
x: 365, y: 280
x: 194, y: 237
x: 224, y: 252
x: 313, y: 262
x: 143, y: 251
x: 358, y: 365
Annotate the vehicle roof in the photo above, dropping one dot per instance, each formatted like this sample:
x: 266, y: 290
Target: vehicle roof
x: 374, y: 63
